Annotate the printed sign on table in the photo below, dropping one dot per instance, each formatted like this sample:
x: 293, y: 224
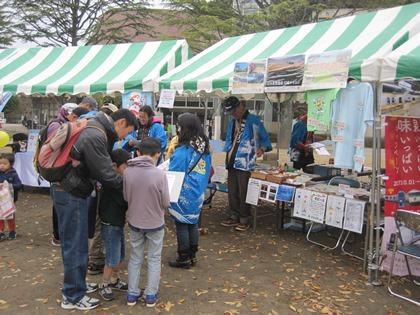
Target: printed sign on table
x: 327, y: 70
x: 402, y: 156
x: 335, y: 211
x: 353, y: 215
x: 248, y: 77
x: 167, y: 99
x: 317, y: 207
x: 285, y: 193
x: 253, y: 192
x: 285, y: 74
x: 302, y: 203
x: 268, y: 191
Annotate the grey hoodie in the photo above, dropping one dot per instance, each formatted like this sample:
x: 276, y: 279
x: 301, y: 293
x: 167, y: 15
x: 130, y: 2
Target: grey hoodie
x: 146, y: 191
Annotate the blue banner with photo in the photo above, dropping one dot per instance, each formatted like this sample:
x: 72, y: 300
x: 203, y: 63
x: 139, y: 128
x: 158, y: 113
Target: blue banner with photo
x: 138, y: 98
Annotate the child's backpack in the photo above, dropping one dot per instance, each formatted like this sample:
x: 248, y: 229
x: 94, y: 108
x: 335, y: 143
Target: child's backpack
x: 53, y: 160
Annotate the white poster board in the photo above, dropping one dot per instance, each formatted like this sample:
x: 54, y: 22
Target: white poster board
x: 302, y: 203
x: 175, y: 181
x: 335, y: 211
x: 353, y: 215
x: 327, y: 70
x: 167, y: 98
x: 32, y: 140
x: 253, y: 192
x: 317, y: 207
x: 248, y: 77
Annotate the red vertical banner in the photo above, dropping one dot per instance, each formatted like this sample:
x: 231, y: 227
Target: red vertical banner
x: 402, y: 152
x: 402, y: 155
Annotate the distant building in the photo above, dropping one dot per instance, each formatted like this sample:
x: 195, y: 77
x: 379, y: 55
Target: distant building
x: 247, y: 7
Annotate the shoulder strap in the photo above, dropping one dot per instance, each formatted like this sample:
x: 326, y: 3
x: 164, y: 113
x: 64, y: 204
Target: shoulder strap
x: 195, y: 163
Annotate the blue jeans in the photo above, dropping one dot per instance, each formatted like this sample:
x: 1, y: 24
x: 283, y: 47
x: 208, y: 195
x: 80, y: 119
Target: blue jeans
x: 138, y: 241
x: 72, y: 213
x: 113, y: 238
x: 187, y: 237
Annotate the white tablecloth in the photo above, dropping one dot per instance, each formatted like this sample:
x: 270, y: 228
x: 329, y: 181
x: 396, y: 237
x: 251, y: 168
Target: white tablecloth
x: 25, y: 168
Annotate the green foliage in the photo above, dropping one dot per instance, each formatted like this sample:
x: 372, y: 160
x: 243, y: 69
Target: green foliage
x: 6, y: 37
x: 11, y: 106
x: 75, y: 22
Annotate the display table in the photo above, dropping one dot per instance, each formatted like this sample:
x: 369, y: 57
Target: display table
x: 25, y: 168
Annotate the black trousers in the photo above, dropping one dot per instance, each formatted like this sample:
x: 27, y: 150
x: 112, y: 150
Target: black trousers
x: 238, y: 187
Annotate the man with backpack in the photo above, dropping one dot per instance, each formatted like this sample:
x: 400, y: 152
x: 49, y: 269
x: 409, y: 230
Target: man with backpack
x: 88, y: 160
x: 67, y: 112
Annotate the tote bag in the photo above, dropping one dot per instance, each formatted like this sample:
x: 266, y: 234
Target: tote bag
x: 7, y: 206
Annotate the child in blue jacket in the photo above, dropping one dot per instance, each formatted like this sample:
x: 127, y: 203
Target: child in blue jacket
x: 9, y: 174
x: 192, y: 156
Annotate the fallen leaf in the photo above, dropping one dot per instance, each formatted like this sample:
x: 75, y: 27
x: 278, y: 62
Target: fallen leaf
x: 168, y: 306
x: 325, y: 310
x: 201, y: 292
x: 181, y: 301
x: 2, y: 302
x: 292, y: 308
x: 23, y: 305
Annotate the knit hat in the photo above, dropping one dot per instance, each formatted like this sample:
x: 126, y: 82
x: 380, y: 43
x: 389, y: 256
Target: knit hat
x: 67, y: 109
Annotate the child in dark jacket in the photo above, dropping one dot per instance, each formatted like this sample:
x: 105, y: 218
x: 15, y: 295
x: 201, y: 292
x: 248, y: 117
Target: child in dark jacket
x: 112, y: 209
x: 9, y: 174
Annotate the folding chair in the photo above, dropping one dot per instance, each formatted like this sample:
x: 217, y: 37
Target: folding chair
x: 411, y: 221
x: 335, y: 181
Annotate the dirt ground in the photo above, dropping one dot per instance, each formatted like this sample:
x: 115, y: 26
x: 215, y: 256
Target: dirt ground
x: 238, y: 273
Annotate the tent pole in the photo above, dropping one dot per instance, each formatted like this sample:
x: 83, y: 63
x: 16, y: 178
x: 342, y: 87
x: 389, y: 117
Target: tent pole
x: 372, y: 199
x: 278, y: 129
x: 378, y: 181
x: 206, y: 129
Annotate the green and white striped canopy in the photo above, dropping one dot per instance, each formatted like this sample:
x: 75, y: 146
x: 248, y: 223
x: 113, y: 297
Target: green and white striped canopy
x: 403, y: 63
x: 369, y: 36
x: 89, y: 69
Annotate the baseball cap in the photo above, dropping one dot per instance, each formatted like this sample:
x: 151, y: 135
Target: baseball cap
x: 111, y: 107
x: 90, y: 100
x: 230, y: 103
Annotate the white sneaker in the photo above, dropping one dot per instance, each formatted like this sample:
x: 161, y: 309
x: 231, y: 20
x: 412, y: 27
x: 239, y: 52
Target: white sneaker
x: 85, y: 304
x: 91, y: 287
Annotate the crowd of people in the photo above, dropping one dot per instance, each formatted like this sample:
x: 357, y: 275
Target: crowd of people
x: 114, y: 183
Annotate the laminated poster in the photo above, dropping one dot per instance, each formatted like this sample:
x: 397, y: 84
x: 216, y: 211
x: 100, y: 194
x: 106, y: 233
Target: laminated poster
x: 302, y: 203
x: 268, y: 191
x: 285, y: 193
x: 335, y: 211
x: 317, y: 206
x: 327, y: 70
x: 248, y: 77
x: 285, y: 74
x: 253, y: 192
x: 353, y: 215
